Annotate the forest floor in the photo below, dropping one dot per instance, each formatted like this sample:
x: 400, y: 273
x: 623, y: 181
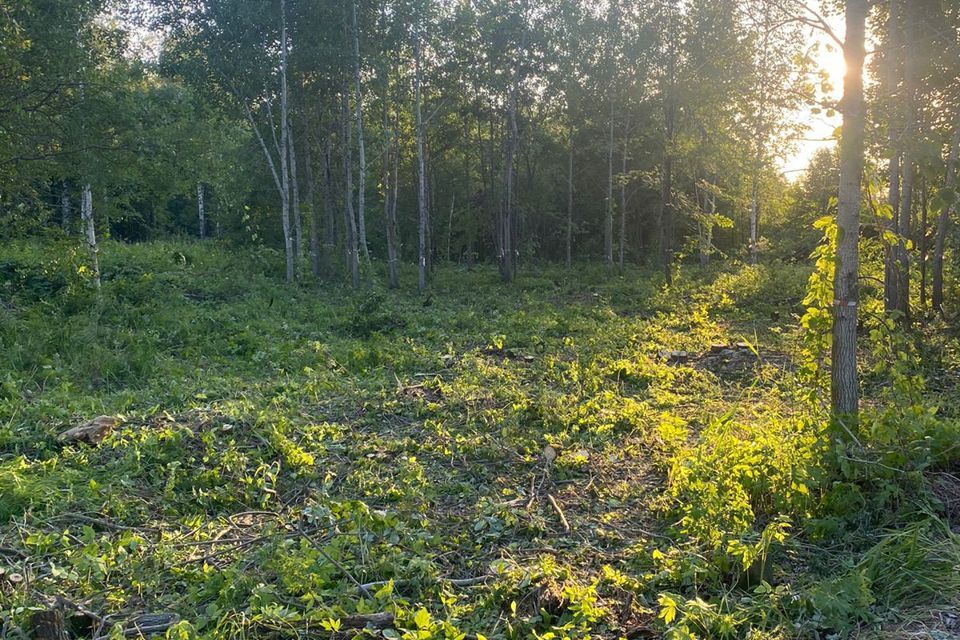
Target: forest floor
x: 585, y: 455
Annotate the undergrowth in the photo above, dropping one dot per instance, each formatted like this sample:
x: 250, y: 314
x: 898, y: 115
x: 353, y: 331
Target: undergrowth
x: 532, y: 460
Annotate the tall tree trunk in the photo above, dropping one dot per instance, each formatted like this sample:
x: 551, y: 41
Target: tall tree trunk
x: 943, y: 223
x: 284, y: 141
x: 608, y: 217
x: 924, y: 247
x: 295, y: 202
x: 361, y: 145
x: 506, y: 243
x: 910, y: 130
x: 329, y: 207
x: 759, y: 142
x: 393, y: 276
x: 349, y: 221
x: 201, y: 212
x: 890, y: 284
x: 453, y: 202
x: 65, y: 207
x: 845, y: 391
x: 513, y: 143
x: 421, y: 166
x: 665, y: 206
x: 755, y: 212
x: 570, y: 192
x: 623, y: 195
x: 90, y: 232
x: 312, y: 209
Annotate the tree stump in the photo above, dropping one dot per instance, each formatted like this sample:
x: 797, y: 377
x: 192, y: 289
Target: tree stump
x: 48, y: 625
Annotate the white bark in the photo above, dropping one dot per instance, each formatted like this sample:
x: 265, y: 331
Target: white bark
x: 759, y: 141
x: 349, y: 221
x: 284, y: 147
x: 623, y: 197
x: 608, y: 218
x: 90, y: 231
x: 361, y: 146
x: 65, y: 207
x: 421, y: 168
x: 295, y: 189
x: 570, y: 193
x: 201, y: 213
x: 890, y: 284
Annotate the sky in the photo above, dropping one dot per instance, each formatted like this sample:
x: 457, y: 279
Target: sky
x: 820, y: 126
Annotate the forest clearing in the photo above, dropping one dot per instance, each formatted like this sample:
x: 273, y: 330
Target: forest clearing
x: 479, y: 319
x: 580, y: 453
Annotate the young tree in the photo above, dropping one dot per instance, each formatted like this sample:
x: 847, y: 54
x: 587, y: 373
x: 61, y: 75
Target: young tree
x: 421, y: 165
x: 845, y: 392
x: 201, y: 212
x: 90, y: 233
x: 361, y: 144
x: 947, y: 206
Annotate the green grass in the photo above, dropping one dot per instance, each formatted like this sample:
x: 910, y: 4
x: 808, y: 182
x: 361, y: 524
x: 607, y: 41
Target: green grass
x: 280, y: 442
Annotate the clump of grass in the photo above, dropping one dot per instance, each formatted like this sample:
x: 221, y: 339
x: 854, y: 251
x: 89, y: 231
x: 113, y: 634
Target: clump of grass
x: 918, y: 565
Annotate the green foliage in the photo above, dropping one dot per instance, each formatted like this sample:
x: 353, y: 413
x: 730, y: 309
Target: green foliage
x: 276, y: 438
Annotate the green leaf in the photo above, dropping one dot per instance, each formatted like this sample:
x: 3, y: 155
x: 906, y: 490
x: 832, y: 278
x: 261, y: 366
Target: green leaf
x: 422, y: 619
x: 668, y: 608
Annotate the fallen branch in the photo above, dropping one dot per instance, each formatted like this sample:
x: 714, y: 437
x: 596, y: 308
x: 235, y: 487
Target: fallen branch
x: 333, y: 561
x: 141, y: 626
x: 455, y: 582
x: 106, y: 524
x: 556, y: 507
x: 381, y: 620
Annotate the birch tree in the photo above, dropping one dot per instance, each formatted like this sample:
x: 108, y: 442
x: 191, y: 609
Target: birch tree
x: 90, y: 233
x: 421, y: 166
x: 361, y: 145
x: 947, y: 206
x: 201, y: 212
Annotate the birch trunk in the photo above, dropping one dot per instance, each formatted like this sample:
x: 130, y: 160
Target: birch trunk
x: 623, y: 196
x: 329, y: 209
x: 924, y: 248
x: 943, y: 223
x: 910, y: 129
x: 65, y: 207
x: 759, y: 142
x: 312, y: 210
x: 570, y: 193
x: 453, y: 203
x: 608, y: 219
x: 283, y: 151
x: 843, y: 375
x: 349, y: 222
x: 755, y: 213
x: 421, y: 168
x: 507, y: 251
x: 665, y: 206
x: 90, y: 232
x: 201, y: 213
x: 893, y: 197
x: 295, y: 189
x: 389, y: 212
x: 506, y: 258
x: 361, y: 146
